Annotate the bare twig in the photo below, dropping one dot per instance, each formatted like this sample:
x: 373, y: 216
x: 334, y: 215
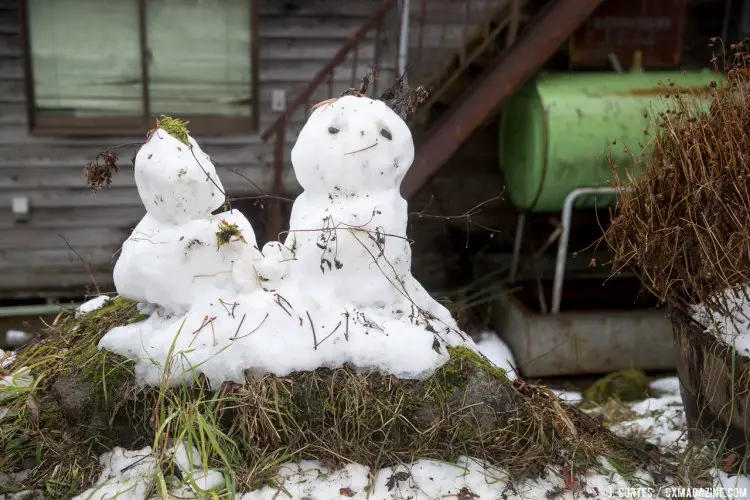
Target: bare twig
x: 86, y: 264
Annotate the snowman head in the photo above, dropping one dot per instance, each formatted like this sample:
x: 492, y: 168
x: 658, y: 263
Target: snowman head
x: 354, y: 144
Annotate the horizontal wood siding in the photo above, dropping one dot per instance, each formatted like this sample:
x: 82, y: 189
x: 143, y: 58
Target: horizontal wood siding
x: 35, y: 258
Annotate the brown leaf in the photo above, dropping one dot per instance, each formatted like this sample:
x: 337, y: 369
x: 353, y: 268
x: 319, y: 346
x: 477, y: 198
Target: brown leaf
x: 730, y: 462
x: 346, y: 492
x: 571, y: 482
x: 466, y: 494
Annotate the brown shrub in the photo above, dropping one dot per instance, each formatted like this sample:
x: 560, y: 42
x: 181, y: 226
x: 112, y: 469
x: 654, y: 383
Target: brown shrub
x: 684, y: 226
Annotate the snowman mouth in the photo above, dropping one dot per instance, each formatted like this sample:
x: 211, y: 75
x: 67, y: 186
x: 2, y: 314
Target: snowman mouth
x: 362, y: 149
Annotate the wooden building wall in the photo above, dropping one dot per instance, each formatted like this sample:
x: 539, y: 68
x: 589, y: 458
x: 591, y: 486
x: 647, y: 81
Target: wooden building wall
x: 35, y: 259
x: 69, y: 224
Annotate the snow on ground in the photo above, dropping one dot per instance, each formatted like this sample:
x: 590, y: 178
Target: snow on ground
x: 337, y: 290
x: 16, y: 338
x: 492, y: 346
x: 128, y: 475
x: 421, y: 480
x: 93, y: 304
x: 659, y: 420
x: 570, y: 397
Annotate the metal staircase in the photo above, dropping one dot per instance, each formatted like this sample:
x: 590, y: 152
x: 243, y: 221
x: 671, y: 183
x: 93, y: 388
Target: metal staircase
x: 495, y: 57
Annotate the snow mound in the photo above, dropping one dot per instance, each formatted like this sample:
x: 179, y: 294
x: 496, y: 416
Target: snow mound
x: 338, y: 290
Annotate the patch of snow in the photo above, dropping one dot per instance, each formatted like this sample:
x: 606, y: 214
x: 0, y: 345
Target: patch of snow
x: 667, y: 385
x: 732, y: 486
x: 570, y: 397
x: 659, y: 420
x: 127, y: 475
x: 15, y: 383
x: 6, y: 358
x: 184, y: 460
x: 208, y: 480
x: 734, y: 328
x: 338, y: 290
x: 16, y: 338
x: 93, y: 304
x: 492, y: 346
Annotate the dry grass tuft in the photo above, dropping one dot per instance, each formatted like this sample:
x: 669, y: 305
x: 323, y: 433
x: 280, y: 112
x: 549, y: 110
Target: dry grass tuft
x: 684, y: 226
x: 85, y: 402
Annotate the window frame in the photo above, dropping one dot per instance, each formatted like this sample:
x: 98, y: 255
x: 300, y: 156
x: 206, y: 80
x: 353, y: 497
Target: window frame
x: 103, y: 126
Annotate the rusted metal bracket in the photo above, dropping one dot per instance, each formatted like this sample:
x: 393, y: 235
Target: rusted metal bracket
x: 551, y: 28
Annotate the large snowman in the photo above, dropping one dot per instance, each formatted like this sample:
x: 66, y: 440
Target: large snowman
x: 350, y: 221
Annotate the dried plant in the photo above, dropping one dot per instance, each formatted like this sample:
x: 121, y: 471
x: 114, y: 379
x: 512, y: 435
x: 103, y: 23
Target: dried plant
x: 684, y: 225
x: 98, y: 173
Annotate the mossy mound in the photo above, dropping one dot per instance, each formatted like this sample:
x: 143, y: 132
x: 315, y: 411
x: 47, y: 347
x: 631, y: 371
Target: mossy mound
x: 623, y: 385
x: 85, y: 401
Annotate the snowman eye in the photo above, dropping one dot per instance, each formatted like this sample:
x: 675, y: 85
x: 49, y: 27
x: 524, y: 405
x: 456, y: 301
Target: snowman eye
x: 385, y: 133
x: 333, y: 130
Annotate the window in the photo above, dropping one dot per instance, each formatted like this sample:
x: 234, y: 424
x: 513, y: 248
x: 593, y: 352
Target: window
x: 112, y: 66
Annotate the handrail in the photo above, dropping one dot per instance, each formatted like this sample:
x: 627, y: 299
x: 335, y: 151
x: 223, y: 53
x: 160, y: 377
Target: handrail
x: 278, y: 128
x: 352, y: 42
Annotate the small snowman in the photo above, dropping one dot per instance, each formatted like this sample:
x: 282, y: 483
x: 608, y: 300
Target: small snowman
x: 180, y: 252
x: 349, y: 223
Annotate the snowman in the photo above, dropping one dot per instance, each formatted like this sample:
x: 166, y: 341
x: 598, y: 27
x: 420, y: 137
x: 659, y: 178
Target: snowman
x: 179, y: 238
x: 349, y: 223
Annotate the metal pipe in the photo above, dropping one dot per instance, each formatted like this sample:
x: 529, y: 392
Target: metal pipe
x: 35, y: 310
x: 403, y: 44
x: 521, y: 222
x: 562, y: 247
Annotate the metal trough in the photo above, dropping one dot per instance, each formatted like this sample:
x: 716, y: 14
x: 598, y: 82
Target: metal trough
x: 584, y: 342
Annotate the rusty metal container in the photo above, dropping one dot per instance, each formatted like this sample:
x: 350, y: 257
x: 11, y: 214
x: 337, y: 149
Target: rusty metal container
x: 714, y: 384
x: 578, y: 342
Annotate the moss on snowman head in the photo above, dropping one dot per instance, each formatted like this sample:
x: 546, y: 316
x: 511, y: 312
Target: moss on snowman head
x: 352, y: 144
x: 174, y: 127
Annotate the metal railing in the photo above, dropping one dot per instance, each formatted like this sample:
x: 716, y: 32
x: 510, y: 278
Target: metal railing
x: 476, y: 25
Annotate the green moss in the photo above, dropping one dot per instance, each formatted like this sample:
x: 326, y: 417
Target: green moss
x: 623, y: 385
x: 226, y: 232
x: 454, y: 374
x: 176, y: 128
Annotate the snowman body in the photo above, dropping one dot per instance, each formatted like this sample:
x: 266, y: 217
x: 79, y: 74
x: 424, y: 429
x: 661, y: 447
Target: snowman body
x: 349, y: 224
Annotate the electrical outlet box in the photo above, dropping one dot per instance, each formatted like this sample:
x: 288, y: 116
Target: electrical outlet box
x: 20, y: 207
x: 278, y: 100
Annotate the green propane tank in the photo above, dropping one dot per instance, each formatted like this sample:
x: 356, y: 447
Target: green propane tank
x: 557, y: 133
